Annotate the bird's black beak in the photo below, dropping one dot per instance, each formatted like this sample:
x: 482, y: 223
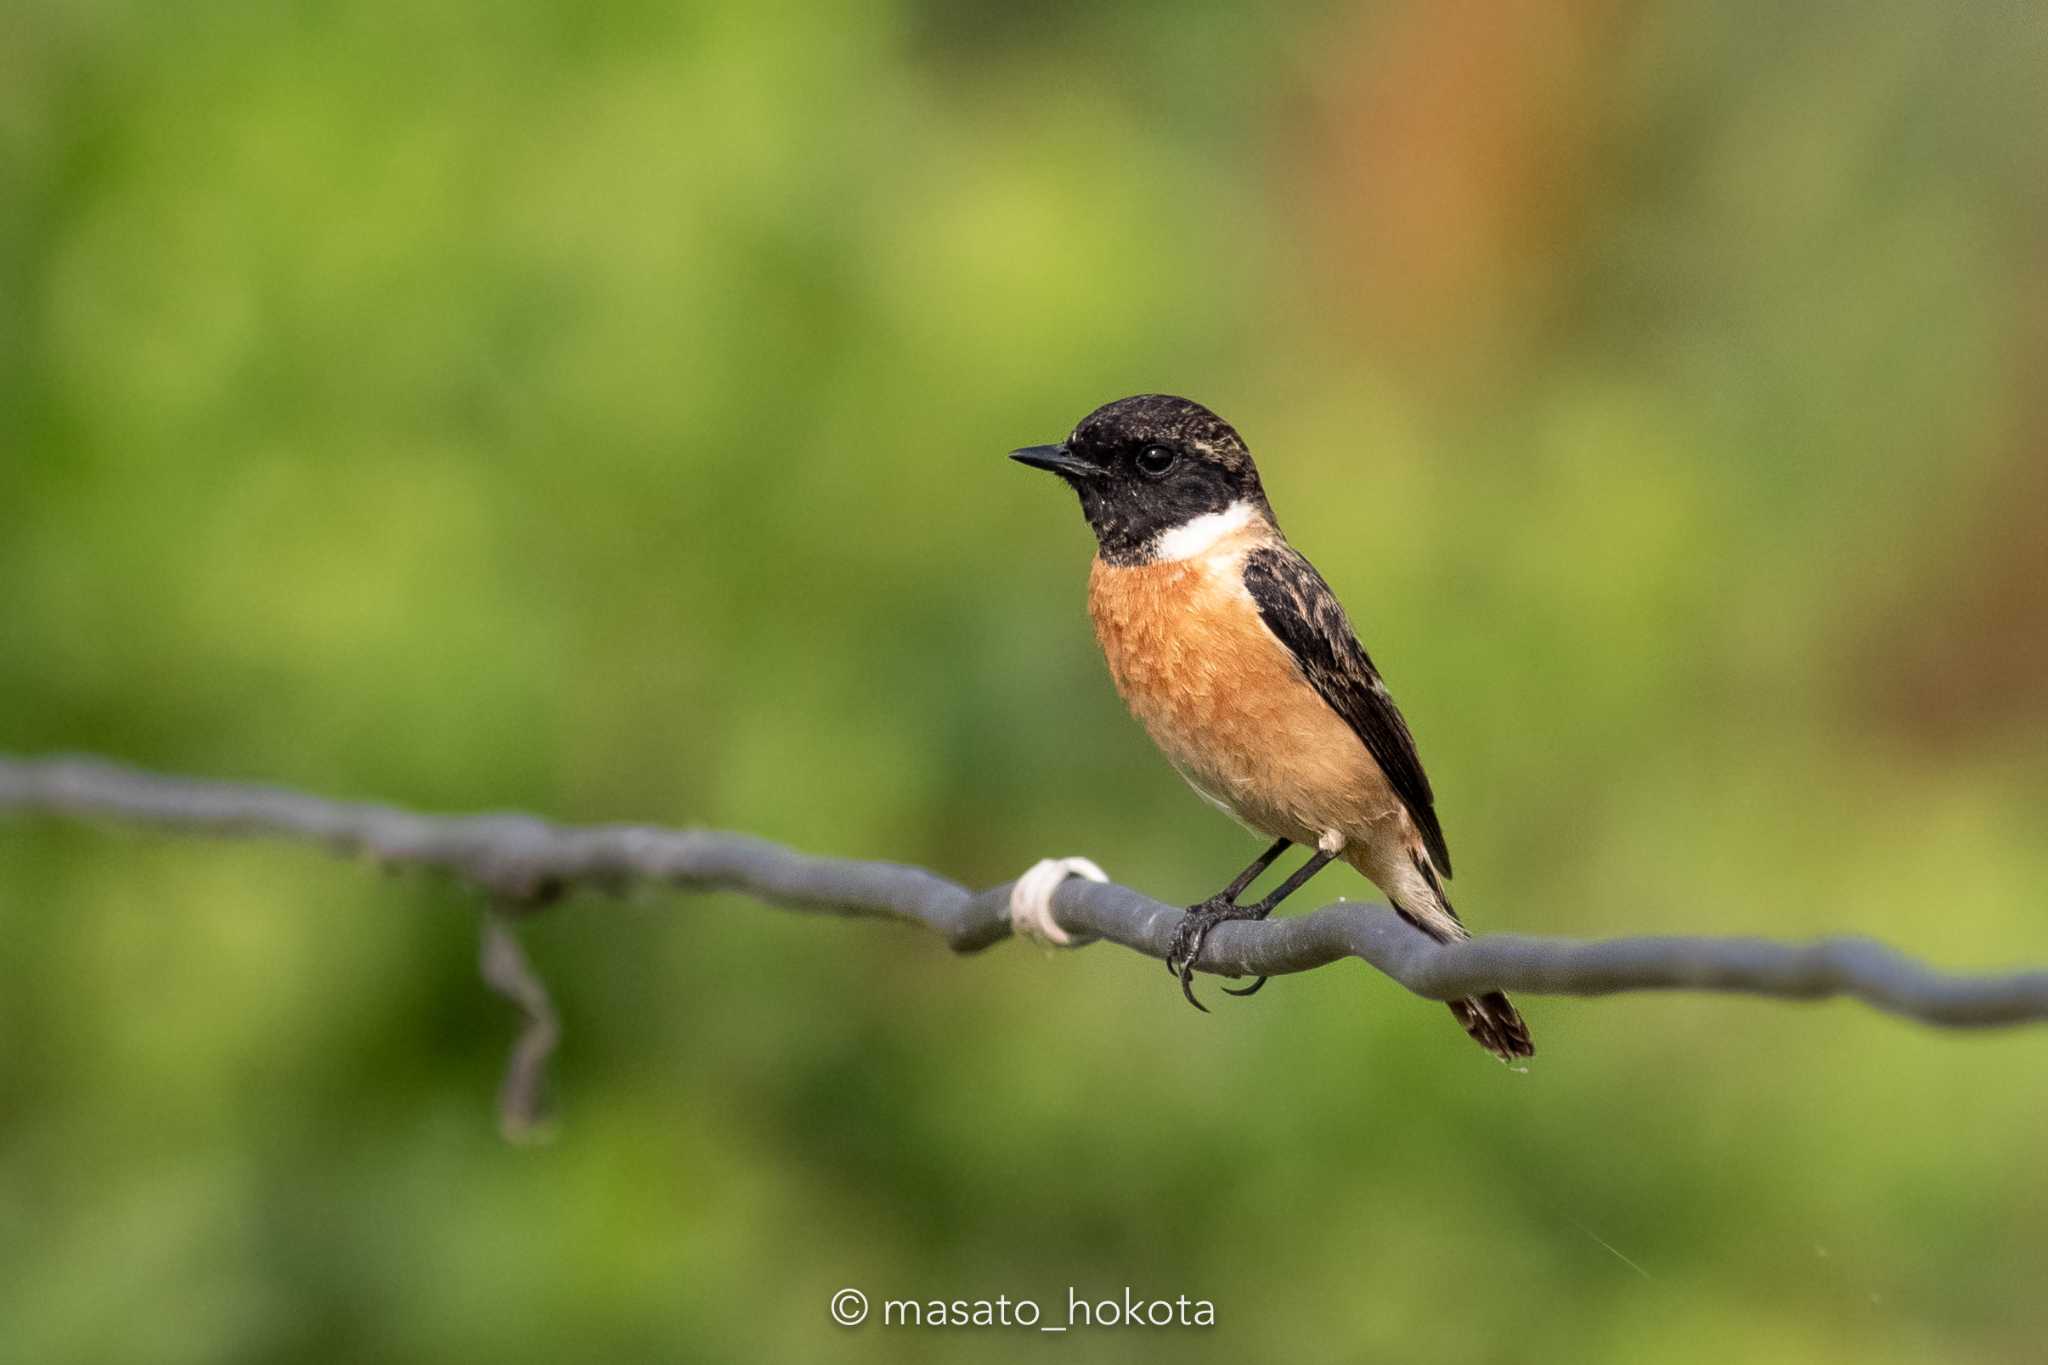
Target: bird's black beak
x: 1058, y: 459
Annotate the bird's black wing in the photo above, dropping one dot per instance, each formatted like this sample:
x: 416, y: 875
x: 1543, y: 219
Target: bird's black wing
x: 1298, y: 607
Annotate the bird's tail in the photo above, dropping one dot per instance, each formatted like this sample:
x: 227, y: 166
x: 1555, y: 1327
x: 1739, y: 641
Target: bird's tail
x: 1494, y: 1023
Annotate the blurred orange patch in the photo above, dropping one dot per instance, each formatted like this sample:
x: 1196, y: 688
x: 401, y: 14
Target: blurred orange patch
x: 1450, y: 181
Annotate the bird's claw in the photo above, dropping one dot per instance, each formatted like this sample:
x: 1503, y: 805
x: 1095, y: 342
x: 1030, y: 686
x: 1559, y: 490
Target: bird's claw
x: 1189, y: 936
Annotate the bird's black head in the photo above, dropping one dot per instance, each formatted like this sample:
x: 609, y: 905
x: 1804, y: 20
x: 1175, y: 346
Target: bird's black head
x: 1148, y: 466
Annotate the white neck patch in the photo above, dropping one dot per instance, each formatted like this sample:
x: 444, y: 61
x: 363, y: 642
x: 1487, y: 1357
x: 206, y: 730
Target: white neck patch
x: 1196, y: 537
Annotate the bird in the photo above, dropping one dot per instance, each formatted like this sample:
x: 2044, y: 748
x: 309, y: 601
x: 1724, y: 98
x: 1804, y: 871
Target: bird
x: 1241, y: 664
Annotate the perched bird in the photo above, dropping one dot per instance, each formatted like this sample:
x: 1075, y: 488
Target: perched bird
x: 1240, y: 662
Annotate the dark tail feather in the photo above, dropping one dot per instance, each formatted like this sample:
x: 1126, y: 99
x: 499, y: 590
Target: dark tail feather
x: 1495, y: 1025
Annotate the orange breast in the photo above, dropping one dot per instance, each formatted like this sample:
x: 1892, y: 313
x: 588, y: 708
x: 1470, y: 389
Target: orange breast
x: 1222, y: 697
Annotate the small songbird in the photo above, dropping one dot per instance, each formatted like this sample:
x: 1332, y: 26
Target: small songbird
x: 1240, y: 662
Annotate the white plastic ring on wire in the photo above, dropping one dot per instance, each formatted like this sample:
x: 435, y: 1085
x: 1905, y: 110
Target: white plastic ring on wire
x: 1031, y: 900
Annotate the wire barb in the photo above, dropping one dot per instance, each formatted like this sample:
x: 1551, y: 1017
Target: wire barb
x: 505, y: 968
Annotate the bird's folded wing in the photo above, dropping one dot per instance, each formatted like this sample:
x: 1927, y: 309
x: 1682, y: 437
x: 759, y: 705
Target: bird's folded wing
x: 1299, y: 608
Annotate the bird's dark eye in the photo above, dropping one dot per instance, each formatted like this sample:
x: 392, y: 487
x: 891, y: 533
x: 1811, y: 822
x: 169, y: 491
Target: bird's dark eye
x: 1155, y: 461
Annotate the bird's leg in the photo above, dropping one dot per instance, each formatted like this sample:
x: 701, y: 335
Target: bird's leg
x: 1229, y: 894
x: 1194, y: 927
x: 1218, y: 906
x: 1287, y: 888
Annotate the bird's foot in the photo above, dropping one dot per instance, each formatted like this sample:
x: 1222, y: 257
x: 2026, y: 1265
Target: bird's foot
x: 1193, y: 931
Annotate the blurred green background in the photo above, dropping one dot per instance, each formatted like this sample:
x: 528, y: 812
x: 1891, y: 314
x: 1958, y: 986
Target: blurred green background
x: 600, y: 410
